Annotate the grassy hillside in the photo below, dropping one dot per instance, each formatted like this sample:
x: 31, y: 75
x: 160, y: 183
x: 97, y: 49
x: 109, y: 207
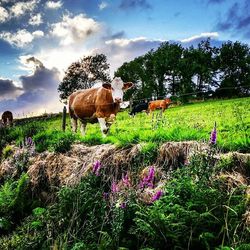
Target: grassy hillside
x: 150, y: 196
x: 185, y: 122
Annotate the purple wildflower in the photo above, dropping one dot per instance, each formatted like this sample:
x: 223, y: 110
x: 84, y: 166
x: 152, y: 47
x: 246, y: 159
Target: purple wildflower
x: 114, y: 188
x: 151, y: 174
x: 96, y: 168
x: 213, y: 136
x: 157, y: 195
x: 123, y: 205
x: 29, y: 141
x: 105, y: 195
x: 125, y: 180
x: 149, y: 179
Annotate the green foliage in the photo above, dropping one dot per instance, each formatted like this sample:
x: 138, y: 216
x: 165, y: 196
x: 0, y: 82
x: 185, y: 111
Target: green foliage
x: 14, y: 202
x: 7, y: 152
x: 56, y: 141
x: 188, y: 73
x: 196, y: 212
x: 83, y: 73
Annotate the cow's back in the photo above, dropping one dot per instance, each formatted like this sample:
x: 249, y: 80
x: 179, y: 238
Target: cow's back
x: 92, y: 103
x: 154, y: 104
x: 82, y: 103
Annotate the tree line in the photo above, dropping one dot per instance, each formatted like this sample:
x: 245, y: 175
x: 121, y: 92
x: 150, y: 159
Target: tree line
x: 171, y: 70
x: 184, y: 73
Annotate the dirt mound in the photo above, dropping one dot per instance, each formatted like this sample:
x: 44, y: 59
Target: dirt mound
x: 49, y: 171
x: 171, y: 154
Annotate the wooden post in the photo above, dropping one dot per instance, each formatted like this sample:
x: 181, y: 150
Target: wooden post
x: 64, y: 118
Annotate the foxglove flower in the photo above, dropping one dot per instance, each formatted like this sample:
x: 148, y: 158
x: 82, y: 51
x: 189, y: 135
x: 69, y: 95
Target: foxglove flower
x: 96, y: 168
x: 157, y: 196
x: 126, y: 181
x: 149, y: 179
x: 213, y: 136
x: 123, y: 205
x: 29, y: 141
x: 114, y: 188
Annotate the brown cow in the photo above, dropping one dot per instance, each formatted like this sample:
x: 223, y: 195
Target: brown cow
x: 97, y: 104
x: 159, y: 104
x: 7, y: 118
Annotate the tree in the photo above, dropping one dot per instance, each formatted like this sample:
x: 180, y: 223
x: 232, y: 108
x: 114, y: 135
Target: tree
x: 234, y: 69
x: 204, y: 57
x: 186, y: 86
x: 166, y: 66
x: 83, y: 74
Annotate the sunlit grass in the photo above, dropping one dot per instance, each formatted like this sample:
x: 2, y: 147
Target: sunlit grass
x: 186, y: 122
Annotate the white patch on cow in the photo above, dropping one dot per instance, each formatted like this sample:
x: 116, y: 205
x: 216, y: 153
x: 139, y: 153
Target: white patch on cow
x: 117, y: 91
x: 103, y: 126
x: 83, y: 128
x: 74, y: 125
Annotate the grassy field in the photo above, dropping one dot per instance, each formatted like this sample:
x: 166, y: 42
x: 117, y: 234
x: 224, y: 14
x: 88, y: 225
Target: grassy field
x: 185, y: 122
x: 202, y: 206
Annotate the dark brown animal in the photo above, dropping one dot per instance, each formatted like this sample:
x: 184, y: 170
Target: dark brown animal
x: 7, y: 118
x: 159, y: 104
x: 97, y: 105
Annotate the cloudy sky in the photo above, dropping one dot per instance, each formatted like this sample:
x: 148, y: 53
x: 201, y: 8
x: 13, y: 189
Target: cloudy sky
x: 39, y: 39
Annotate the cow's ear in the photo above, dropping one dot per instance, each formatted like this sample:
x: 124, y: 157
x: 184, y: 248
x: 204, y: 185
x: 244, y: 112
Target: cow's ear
x: 106, y: 85
x: 127, y: 85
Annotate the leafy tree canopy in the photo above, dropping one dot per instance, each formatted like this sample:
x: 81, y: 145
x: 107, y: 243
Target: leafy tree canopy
x: 83, y: 74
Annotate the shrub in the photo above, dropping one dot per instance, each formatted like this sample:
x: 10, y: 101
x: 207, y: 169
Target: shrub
x: 15, y: 202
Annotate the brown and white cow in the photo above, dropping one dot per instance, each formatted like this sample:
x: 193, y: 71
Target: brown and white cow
x: 97, y: 104
x: 159, y: 104
x: 7, y: 118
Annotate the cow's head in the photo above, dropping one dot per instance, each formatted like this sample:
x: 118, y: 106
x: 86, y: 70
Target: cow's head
x: 117, y: 88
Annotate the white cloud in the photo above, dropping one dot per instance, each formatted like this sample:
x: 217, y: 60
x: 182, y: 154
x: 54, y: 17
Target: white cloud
x: 54, y: 5
x: 38, y: 33
x: 3, y: 15
x: 75, y: 29
x: 123, y: 50
x: 61, y: 57
x: 123, y: 42
x: 36, y: 20
x: 20, y: 8
x: 18, y: 39
x: 102, y: 5
x: 202, y: 35
x: 21, y: 38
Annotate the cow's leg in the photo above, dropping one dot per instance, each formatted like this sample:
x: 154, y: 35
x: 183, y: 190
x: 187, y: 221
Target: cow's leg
x: 74, y: 125
x: 83, y: 128
x: 103, y: 126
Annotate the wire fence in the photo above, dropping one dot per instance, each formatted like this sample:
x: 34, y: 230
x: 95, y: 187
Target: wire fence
x: 134, y: 101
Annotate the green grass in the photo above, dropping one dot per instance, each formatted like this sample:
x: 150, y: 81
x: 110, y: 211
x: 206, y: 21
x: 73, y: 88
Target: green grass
x: 186, y: 122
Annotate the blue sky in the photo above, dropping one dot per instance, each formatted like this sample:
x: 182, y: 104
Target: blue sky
x: 40, y: 39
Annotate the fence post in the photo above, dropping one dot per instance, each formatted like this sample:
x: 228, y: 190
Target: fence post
x: 64, y: 118
x: 130, y: 104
